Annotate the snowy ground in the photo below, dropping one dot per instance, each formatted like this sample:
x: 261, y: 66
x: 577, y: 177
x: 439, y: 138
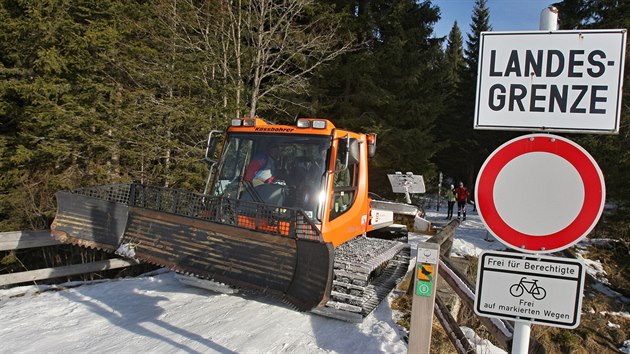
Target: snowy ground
x: 471, y: 237
x: 158, y: 314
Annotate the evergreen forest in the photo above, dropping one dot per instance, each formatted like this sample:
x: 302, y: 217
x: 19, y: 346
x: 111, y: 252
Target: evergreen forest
x: 107, y: 91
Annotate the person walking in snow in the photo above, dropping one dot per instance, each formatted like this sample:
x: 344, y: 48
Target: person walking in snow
x: 450, y: 198
x: 461, y: 194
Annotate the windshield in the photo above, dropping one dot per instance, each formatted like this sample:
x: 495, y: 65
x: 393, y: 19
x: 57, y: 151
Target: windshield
x: 278, y: 170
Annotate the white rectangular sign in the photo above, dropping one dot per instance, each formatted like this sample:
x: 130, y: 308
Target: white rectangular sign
x: 530, y: 288
x: 407, y: 183
x: 563, y: 81
x: 428, y: 253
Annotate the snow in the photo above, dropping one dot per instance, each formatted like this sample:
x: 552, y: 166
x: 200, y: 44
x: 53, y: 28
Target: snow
x: 615, y: 313
x: 613, y: 325
x: 156, y: 313
x: 481, y: 345
x: 472, y: 239
x: 595, y: 269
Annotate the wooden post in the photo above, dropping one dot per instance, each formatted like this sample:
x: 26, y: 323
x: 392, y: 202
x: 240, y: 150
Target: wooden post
x: 424, y: 290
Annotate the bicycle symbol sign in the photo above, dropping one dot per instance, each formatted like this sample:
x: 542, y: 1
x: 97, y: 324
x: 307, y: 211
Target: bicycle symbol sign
x: 530, y: 287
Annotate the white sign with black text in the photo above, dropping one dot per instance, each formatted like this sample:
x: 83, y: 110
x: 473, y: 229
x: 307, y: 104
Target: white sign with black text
x: 564, y: 81
x: 530, y: 288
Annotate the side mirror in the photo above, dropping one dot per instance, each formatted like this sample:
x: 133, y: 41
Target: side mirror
x: 371, y: 143
x: 211, y: 147
x: 348, y: 153
x: 353, y: 152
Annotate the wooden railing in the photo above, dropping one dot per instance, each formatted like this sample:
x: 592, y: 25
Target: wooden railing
x: 458, y: 282
x: 16, y: 240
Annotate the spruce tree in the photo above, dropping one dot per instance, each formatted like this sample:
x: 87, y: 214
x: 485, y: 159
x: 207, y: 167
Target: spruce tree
x: 454, y: 56
x: 474, y: 146
x: 166, y: 110
x: 56, y: 110
x: 93, y: 93
x: 389, y: 85
x: 468, y: 149
x: 480, y: 23
x: 446, y: 130
x: 612, y: 152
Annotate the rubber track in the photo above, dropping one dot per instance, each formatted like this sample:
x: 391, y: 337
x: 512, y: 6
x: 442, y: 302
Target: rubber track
x: 360, y: 285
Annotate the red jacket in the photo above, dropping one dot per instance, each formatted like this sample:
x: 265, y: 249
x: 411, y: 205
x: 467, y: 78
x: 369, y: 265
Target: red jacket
x: 461, y: 193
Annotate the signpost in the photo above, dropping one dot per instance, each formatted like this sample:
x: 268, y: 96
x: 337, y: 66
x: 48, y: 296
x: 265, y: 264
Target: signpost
x: 537, y: 289
x: 564, y: 81
x: 407, y: 183
x: 439, y: 191
x: 424, y: 286
x: 540, y: 193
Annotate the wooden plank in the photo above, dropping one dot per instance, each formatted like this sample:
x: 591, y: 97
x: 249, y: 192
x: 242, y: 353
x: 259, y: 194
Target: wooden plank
x: 423, y: 302
x: 500, y: 330
x: 451, y: 327
x: 15, y: 240
x: 458, y: 281
x: 49, y: 273
x: 445, y: 237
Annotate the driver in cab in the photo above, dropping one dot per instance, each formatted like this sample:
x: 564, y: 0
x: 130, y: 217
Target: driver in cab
x: 262, y: 167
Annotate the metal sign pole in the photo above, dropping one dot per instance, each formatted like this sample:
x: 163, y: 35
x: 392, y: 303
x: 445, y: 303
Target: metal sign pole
x: 520, y: 344
x: 549, y: 19
x: 522, y: 330
x: 439, y: 191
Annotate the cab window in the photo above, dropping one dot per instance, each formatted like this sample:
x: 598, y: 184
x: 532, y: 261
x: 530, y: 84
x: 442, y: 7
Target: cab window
x: 345, y: 182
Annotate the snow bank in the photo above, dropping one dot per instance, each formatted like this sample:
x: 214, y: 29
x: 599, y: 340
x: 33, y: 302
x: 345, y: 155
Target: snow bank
x: 481, y: 345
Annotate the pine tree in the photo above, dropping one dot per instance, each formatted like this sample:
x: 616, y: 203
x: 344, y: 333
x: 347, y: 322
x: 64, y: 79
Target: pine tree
x: 389, y: 84
x: 446, y: 128
x: 55, y: 108
x: 468, y: 149
x: 454, y: 56
x: 612, y: 152
x: 480, y: 23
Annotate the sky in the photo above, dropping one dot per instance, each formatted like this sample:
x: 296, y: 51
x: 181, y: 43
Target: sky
x: 156, y: 313
x: 505, y: 15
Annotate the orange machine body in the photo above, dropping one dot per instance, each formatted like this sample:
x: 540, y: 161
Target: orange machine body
x: 355, y: 220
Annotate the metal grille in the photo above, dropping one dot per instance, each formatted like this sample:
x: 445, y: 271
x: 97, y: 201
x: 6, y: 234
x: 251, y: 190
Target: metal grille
x: 281, y: 221
x: 117, y: 193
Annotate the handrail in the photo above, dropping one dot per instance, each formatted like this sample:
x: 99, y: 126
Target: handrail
x: 17, y: 240
x: 64, y: 271
x: 501, y: 330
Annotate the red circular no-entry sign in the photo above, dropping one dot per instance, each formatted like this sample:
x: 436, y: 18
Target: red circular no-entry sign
x: 540, y: 193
